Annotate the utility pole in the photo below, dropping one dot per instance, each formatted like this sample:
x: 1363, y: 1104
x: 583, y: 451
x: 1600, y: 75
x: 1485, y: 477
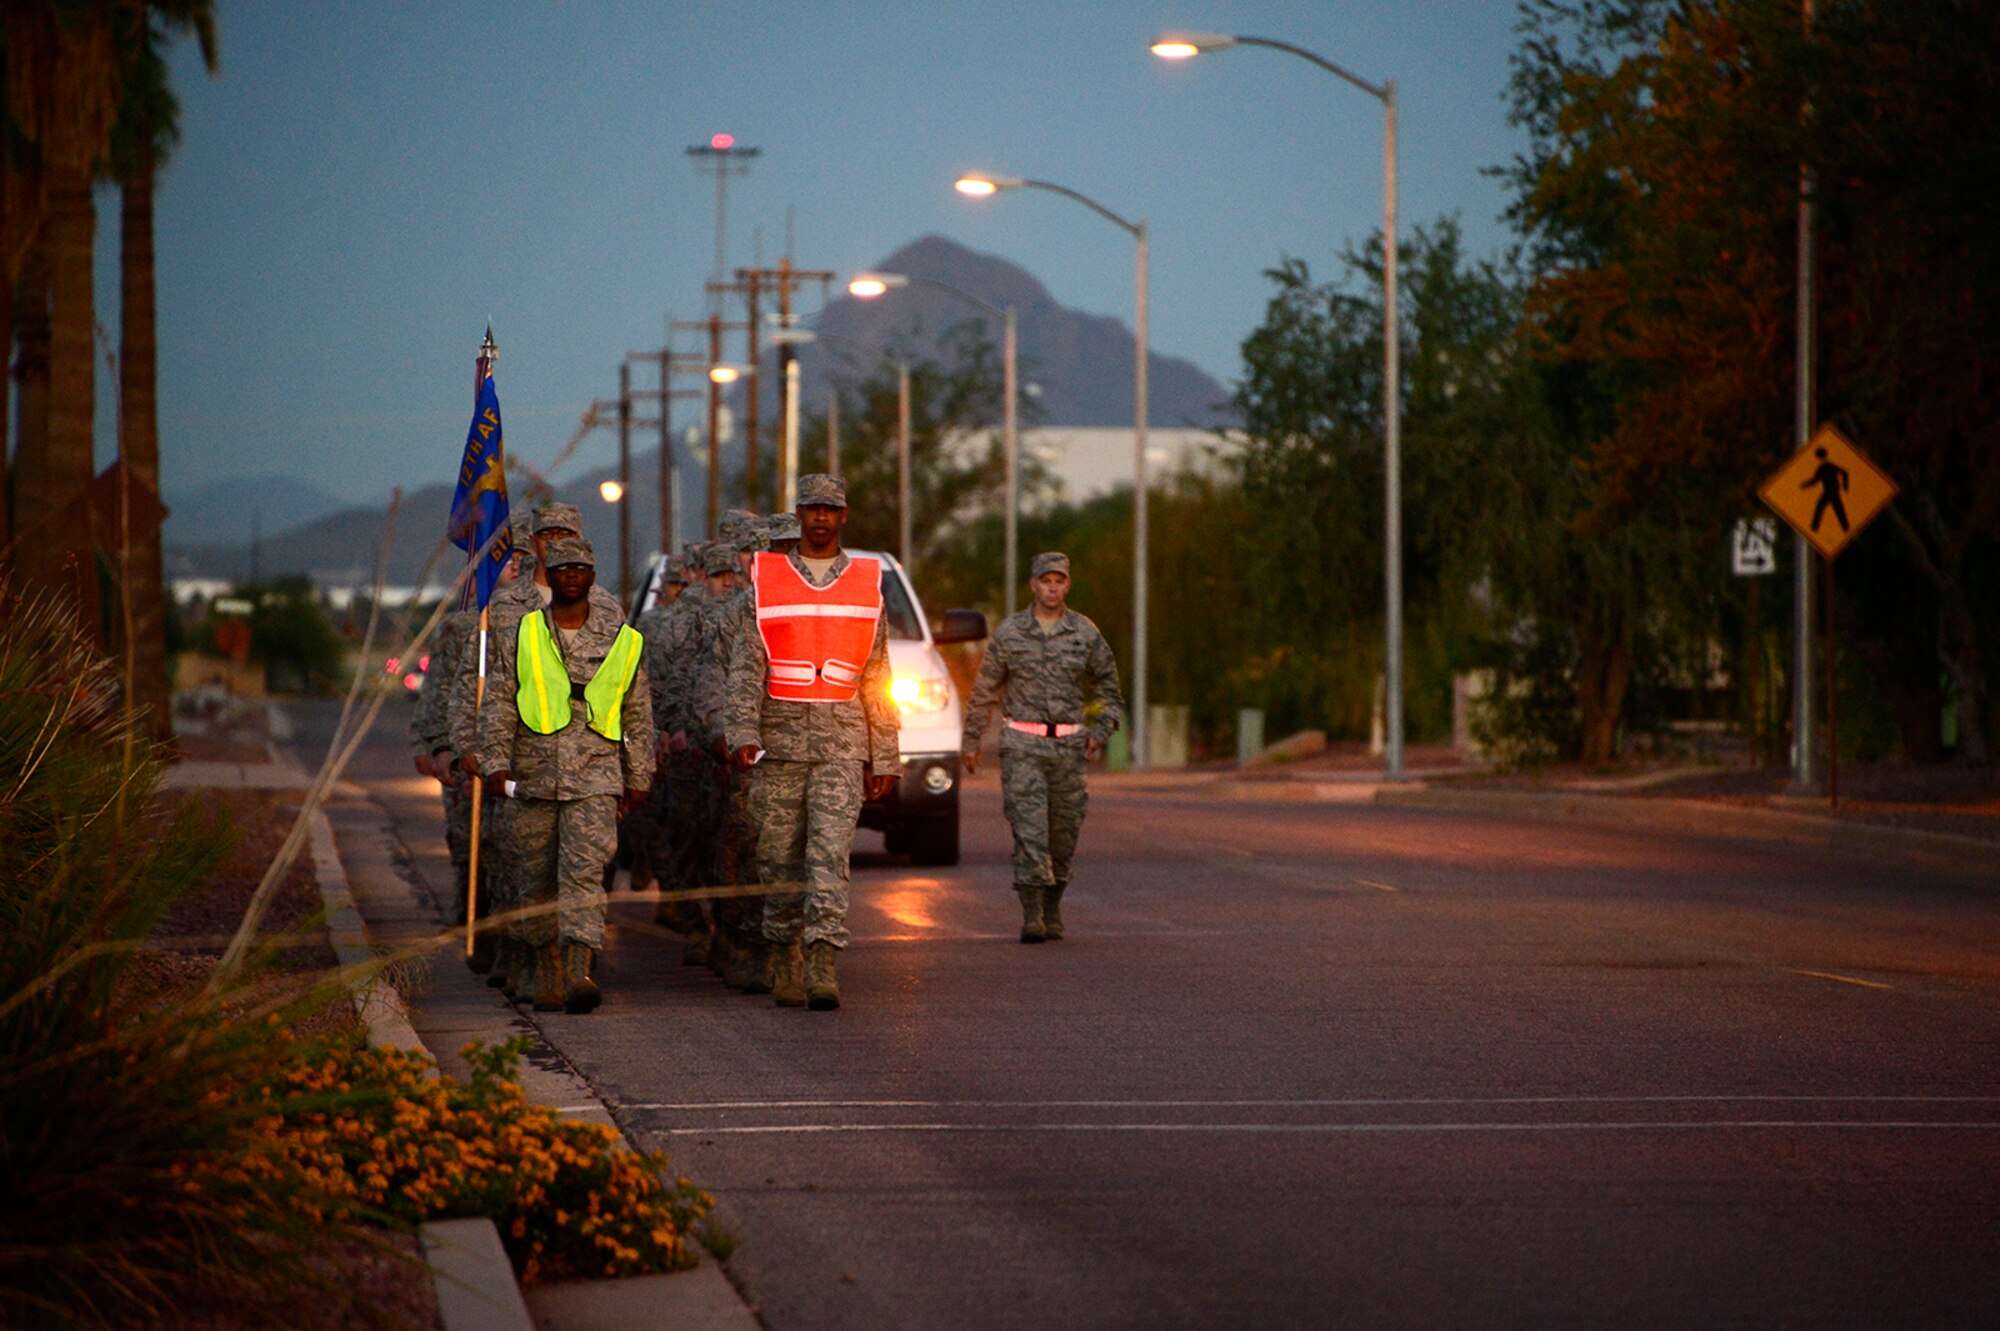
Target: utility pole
x: 782, y: 281
x: 624, y: 482
x: 714, y: 326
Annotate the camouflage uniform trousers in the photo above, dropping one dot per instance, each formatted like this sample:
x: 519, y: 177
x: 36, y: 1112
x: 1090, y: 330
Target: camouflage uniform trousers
x: 735, y: 862
x: 680, y: 837
x: 560, y: 848
x: 808, y: 813
x: 1044, y: 797
x: 458, y: 840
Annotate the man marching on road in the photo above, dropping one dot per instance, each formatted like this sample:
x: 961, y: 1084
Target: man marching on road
x: 1052, y: 675
x: 808, y: 692
x: 567, y: 734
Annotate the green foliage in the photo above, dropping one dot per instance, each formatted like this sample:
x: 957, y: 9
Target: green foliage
x: 98, y: 1095
x: 957, y: 458
x: 291, y: 635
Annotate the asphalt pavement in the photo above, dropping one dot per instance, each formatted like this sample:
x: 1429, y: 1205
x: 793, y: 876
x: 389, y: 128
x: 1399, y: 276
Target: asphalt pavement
x: 1336, y: 1065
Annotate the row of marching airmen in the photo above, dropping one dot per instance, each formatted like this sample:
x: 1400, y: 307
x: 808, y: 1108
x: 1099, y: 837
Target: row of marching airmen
x: 725, y: 745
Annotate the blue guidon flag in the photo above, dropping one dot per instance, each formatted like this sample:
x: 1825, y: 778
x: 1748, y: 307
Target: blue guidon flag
x: 479, y: 507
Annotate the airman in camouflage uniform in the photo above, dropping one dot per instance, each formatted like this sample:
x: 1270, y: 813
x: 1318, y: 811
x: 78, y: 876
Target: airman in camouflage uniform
x: 680, y: 850
x: 819, y: 760
x: 565, y: 786
x: 1050, y: 674
x: 430, y: 737
x: 639, y: 830
x: 514, y: 967
x: 744, y: 959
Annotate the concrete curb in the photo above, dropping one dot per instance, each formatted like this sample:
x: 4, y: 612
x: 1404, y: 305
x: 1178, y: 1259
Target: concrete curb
x: 375, y: 999
x: 475, y: 1282
x: 1687, y: 815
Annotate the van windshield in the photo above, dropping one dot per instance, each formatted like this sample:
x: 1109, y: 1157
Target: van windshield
x: 896, y: 607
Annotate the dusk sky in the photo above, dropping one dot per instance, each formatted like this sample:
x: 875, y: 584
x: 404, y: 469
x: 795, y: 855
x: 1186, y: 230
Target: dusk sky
x: 364, y: 185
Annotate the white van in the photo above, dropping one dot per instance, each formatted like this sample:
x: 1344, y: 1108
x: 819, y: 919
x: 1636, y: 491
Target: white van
x: 920, y: 817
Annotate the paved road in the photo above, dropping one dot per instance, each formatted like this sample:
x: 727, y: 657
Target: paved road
x: 1311, y: 1066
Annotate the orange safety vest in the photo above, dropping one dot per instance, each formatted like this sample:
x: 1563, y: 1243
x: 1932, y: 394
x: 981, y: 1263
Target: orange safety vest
x: 817, y: 638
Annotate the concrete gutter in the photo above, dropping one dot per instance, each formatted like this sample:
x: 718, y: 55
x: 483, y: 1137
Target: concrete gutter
x: 1706, y: 817
x: 1610, y: 801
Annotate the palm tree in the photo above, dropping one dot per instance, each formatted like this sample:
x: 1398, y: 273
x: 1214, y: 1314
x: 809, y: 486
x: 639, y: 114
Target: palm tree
x: 63, y: 90
x: 144, y: 136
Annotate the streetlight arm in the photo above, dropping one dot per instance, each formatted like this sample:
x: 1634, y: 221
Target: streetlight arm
x: 1381, y: 93
x: 1086, y: 201
x: 951, y: 290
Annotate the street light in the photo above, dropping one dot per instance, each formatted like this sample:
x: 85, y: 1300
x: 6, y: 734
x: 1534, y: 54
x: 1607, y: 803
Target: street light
x: 801, y: 336
x: 867, y: 286
x: 1185, y: 45
x: 610, y: 491
x: 724, y: 374
x: 979, y: 185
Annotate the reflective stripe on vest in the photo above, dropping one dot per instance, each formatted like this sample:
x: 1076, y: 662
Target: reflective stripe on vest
x: 817, y: 638
x: 543, y: 695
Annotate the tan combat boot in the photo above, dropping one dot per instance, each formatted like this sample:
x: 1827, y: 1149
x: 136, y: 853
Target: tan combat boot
x: 822, y: 990
x: 1052, y: 926
x: 503, y: 964
x: 695, y: 951
x: 1034, y: 928
x: 788, y: 974
x: 484, y: 949
x: 580, y: 992
x: 759, y: 980
x: 520, y: 983
x: 548, y: 978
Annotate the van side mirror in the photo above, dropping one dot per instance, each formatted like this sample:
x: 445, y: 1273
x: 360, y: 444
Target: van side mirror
x: 960, y: 626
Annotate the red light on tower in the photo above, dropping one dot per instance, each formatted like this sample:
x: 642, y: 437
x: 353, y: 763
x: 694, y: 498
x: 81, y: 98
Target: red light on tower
x: 722, y: 142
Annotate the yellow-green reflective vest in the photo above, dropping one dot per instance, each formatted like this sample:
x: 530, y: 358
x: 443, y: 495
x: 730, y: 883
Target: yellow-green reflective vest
x: 544, y: 692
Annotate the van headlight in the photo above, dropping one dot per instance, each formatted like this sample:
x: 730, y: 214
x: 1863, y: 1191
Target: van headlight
x: 920, y: 693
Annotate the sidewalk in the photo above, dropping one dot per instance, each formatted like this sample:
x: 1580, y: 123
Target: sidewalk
x: 380, y: 895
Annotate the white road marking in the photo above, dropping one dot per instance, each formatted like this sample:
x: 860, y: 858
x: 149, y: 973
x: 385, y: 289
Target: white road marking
x: 1841, y: 979
x: 697, y: 1106
x: 1713, y: 1125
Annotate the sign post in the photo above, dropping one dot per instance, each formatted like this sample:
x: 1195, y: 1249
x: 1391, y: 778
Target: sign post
x: 1828, y: 491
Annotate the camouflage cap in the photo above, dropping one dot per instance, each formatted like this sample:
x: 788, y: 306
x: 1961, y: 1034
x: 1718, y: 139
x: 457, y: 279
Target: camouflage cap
x: 784, y: 527
x: 736, y: 524
x: 566, y: 516
x: 676, y: 569
x: 820, y: 490
x: 758, y: 539
x: 519, y: 529
x: 718, y: 558
x: 1049, y: 561
x: 691, y: 554
x: 568, y: 550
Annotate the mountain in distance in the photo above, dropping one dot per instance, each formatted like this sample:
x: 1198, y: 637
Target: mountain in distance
x: 1082, y: 363
x: 220, y: 512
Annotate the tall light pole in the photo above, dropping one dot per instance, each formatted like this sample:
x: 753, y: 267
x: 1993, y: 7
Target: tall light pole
x: 722, y: 155
x: 793, y: 337
x: 979, y: 185
x: 1182, y: 46
x: 867, y: 286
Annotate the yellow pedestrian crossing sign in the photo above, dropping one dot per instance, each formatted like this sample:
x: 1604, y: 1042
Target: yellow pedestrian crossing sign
x: 1828, y: 491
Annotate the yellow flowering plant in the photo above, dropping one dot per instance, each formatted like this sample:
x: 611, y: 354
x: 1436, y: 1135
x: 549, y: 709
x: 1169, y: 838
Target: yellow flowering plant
x: 378, y: 1134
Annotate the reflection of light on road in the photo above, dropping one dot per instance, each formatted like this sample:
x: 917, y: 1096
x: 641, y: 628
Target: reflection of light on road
x: 908, y: 902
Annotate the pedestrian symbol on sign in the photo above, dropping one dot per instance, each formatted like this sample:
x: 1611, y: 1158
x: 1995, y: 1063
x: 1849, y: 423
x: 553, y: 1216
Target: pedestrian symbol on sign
x: 1753, y: 550
x: 1832, y: 482
x: 1828, y: 491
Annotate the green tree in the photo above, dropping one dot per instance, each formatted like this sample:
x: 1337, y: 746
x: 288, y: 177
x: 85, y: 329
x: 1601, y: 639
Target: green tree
x: 957, y: 461
x: 1659, y: 198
